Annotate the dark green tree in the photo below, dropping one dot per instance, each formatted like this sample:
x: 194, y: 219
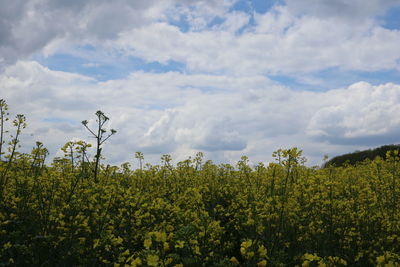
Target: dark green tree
x: 359, y: 156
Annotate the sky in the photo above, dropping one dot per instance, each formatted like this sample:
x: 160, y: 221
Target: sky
x: 224, y: 77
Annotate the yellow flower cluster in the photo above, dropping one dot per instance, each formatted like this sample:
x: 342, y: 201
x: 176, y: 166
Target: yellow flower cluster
x: 202, y: 214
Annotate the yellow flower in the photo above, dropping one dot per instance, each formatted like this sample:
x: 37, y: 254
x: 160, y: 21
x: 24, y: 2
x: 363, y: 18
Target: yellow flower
x: 234, y: 261
x: 180, y: 244
x: 262, y: 251
x: 250, y: 255
x: 262, y: 263
x: 147, y: 243
x: 160, y: 237
x: 197, y: 250
x: 117, y: 241
x: 246, y: 244
x: 250, y: 222
x: 152, y: 260
x: 125, y: 253
x: 380, y: 259
x: 136, y: 262
x: 166, y: 246
x: 7, y: 245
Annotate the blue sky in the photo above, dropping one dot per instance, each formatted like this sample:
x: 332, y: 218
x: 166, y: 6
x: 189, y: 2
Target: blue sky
x: 228, y: 78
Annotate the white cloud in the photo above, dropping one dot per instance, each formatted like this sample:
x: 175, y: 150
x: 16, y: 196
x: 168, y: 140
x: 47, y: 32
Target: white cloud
x: 198, y: 14
x: 234, y: 21
x: 276, y: 21
x: 180, y: 114
x: 222, y: 102
x: 358, y: 113
x: 298, y: 38
x: 278, y: 44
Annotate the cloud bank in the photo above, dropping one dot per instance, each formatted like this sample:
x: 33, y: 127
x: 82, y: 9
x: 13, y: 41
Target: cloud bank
x: 223, y: 77
x: 225, y: 122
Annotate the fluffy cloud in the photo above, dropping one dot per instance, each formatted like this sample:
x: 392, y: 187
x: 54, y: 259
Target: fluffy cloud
x: 361, y: 113
x: 180, y: 114
x: 279, y: 43
x: 36, y: 26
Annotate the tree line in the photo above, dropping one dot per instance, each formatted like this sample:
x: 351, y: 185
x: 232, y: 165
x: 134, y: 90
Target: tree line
x: 359, y: 156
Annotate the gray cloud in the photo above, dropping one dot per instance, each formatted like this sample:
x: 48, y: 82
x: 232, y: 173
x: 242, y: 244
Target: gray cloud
x: 220, y: 134
x: 28, y: 27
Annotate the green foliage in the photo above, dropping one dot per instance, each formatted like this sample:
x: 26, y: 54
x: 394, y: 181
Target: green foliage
x: 280, y: 215
x: 197, y: 213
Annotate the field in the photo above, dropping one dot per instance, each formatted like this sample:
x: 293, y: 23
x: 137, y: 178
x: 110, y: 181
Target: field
x: 199, y: 214
x: 196, y: 133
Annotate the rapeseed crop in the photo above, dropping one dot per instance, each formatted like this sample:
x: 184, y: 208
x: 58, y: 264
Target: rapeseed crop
x: 197, y: 213
x: 283, y: 214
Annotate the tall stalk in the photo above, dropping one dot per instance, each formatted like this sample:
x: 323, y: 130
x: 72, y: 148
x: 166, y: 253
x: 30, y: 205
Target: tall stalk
x: 98, y: 134
x: 19, y: 123
x: 3, y: 119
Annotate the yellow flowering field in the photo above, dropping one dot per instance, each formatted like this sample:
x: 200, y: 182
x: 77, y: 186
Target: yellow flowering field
x: 200, y: 214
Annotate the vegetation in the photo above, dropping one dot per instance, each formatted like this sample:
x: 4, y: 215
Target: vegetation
x: 197, y: 213
x: 98, y: 134
x: 359, y: 156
